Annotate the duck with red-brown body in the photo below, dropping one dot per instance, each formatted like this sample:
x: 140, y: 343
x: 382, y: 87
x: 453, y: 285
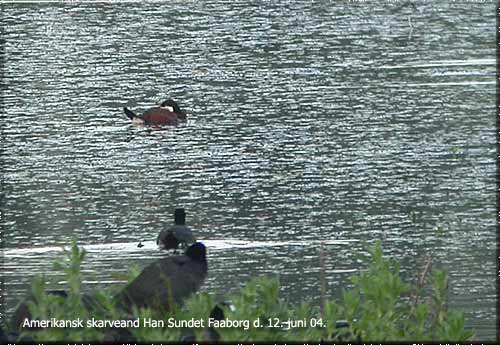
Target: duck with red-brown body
x: 168, y: 113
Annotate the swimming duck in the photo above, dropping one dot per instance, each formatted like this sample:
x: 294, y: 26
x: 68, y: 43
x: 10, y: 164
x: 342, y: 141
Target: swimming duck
x: 166, y: 281
x: 179, y: 234
x: 168, y: 113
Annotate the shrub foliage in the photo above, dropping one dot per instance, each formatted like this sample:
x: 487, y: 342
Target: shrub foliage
x: 379, y: 306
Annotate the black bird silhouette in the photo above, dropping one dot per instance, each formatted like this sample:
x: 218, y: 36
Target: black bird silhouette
x: 167, y: 281
x: 179, y: 234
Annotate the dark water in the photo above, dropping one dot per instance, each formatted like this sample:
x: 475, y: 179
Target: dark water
x: 308, y: 122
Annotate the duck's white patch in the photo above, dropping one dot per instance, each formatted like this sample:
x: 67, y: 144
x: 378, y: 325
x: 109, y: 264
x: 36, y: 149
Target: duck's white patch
x: 137, y: 121
x: 169, y: 108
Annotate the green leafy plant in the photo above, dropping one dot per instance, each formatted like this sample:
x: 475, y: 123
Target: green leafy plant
x: 46, y: 306
x: 379, y: 306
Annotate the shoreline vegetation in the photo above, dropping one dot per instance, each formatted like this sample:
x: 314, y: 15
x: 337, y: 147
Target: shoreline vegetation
x: 379, y: 306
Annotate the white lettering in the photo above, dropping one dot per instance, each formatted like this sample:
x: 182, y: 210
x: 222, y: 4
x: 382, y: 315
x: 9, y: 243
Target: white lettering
x: 153, y: 323
x: 228, y: 323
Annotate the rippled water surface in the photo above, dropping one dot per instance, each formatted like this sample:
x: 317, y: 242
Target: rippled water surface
x: 308, y: 123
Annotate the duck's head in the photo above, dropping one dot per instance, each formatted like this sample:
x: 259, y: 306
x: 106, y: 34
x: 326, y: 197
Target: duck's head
x: 172, y: 106
x: 197, y: 252
x: 180, y: 216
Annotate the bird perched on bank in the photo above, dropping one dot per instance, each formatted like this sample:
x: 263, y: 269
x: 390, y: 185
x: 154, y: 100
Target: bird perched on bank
x: 179, y: 234
x: 167, y: 281
x: 168, y: 113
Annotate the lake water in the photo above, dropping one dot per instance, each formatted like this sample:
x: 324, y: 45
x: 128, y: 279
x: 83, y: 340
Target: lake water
x: 310, y: 122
